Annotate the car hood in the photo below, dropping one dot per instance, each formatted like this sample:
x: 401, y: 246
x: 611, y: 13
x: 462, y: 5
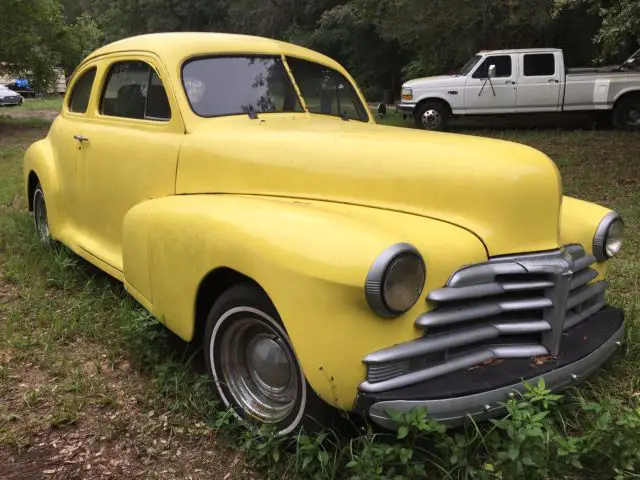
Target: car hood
x: 507, y: 194
x: 432, y: 82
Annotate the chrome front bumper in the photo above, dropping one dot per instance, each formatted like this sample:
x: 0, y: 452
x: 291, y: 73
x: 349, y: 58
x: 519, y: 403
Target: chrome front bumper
x: 479, y: 393
x: 406, y: 108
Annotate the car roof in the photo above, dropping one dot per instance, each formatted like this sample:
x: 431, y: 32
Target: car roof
x: 521, y: 50
x: 177, y: 46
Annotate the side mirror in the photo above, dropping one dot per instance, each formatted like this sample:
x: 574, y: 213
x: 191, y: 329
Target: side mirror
x: 381, y: 111
x: 491, y: 73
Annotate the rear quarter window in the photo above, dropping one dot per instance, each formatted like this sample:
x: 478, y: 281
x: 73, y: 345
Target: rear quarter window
x: 79, y: 98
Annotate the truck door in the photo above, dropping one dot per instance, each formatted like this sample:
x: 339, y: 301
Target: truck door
x: 539, y: 82
x: 495, y: 95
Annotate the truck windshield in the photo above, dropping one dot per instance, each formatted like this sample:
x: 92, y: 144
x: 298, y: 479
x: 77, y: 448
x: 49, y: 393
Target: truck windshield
x: 467, y: 67
x: 236, y: 85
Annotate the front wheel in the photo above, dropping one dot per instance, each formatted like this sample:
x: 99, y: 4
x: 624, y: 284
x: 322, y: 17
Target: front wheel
x: 253, y: 364
x: 432, y: 116
x: 626, y: 113
x: 40, y: 218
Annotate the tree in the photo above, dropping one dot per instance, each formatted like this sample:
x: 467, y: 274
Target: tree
x: 77, y: 41
x: 619, y: 33
x: 36, y: 39
x: 29, y: 42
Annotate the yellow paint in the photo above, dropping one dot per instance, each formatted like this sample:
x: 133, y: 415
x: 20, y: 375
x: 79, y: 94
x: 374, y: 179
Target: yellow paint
x: 301, y: 203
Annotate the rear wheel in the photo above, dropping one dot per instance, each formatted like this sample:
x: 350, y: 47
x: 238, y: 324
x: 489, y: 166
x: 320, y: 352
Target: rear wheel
x: 253, y: 364
x: 626, y: 113
x: 432, y: 116
x: 40, y: 218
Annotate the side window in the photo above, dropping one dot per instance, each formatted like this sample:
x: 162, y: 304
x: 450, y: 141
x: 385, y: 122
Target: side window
x: 502, y: 63
x: 79, y: 99
x: 539, y: 64
x: 134, y: 90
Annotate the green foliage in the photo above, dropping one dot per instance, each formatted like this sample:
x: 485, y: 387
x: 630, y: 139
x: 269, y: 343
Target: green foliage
x: 28, y: 44
x: 619, y: 31
x: 36, y: 38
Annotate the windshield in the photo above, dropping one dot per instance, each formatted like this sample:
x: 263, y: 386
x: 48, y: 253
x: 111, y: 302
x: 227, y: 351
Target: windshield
x: 326, y: 91
x: 219, y: 86
x: 467, y: 67
x: 235, y: 85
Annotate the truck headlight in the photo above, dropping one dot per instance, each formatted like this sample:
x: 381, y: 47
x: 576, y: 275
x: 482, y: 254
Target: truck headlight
x: 395, y: 280
x: 407, y: 93
x: 607, y: 241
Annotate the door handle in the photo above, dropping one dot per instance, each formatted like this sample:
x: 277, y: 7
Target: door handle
x: 510, y: 82
x: 80, y: 138
x: 552, y: 80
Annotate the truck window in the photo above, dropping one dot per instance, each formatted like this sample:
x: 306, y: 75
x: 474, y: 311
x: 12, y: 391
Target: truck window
x: 502, y: 63
x: 539, y: 65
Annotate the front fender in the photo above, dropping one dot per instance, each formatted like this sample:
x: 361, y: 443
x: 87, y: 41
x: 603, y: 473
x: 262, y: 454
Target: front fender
x: 39, y: 158
x: 579, y: 222
x: 311, y: 258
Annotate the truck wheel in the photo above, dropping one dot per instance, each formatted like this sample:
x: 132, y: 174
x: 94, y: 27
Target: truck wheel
x: 626, y: 113
x: 432, y: 116
x: 40, y: 219
x: 252, y: 362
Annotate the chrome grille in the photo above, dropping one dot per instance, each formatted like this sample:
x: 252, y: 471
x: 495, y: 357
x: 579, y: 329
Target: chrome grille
x: 508, y: 307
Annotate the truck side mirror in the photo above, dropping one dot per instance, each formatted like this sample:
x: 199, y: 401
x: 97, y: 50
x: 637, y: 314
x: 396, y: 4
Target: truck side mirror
x: 381, y: 110
x: 491, y: 73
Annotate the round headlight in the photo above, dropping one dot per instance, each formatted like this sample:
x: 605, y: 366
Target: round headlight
x: 395, y: 280
x: 607, y: 241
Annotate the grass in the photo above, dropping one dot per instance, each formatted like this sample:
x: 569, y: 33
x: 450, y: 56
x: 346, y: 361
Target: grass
x: 88, y: 378
x: 53, y: 102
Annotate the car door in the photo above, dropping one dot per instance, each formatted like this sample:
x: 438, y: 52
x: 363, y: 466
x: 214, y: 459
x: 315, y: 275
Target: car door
x: 130, y: 152
x: 495, y: 95
x: 539, y: 84
x: 64, y: 134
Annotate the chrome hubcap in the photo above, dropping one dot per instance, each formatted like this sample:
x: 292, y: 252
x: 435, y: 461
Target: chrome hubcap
x: 259, y: 370
x: 40, y: 216
x: 633, y: 116
x: 431, y: 119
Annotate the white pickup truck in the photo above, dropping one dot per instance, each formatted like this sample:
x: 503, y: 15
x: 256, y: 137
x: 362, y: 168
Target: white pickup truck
x: 525, y: 81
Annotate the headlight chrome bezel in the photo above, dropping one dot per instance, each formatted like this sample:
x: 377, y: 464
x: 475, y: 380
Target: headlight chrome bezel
x: 377, y: 276
x: 601, y: 236
x: 406, y: 93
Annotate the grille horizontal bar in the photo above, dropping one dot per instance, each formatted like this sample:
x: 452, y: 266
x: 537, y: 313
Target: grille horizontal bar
x: 585, y: 293
x: 459, y: 363
x: 452, y: 339
x: 448, y: 316
x: 451, y: 294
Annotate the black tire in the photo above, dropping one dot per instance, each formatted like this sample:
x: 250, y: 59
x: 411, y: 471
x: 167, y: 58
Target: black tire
x: 626, y: 113
x: 432, y: 116
x: 40, y: 217
x: 248, y: 303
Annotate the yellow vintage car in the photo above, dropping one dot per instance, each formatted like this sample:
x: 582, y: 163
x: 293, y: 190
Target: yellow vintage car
x: 242, y: 191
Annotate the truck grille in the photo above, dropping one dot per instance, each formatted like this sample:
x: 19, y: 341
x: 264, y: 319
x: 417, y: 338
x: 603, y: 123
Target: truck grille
x: 509, y: 307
